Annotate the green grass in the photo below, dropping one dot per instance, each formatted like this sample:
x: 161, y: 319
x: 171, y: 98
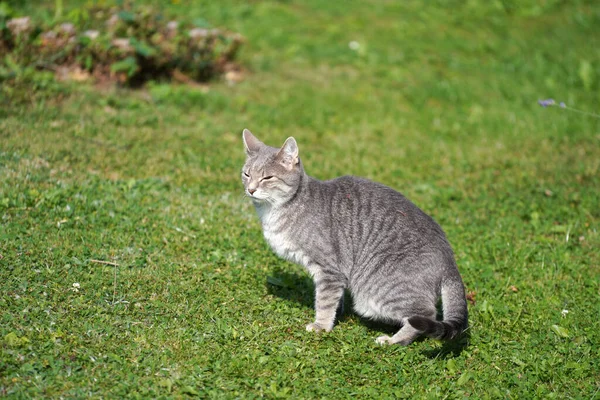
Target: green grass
x: 439, y: 102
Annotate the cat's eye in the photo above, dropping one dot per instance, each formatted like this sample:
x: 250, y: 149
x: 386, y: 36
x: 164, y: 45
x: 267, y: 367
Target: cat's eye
x: 266, y: 178
x: 246, y: 175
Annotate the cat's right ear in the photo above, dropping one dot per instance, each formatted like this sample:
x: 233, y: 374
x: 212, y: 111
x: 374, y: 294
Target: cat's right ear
x: 251, y: 143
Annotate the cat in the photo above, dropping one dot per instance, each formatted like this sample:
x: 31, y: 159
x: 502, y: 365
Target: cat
x: 352, y: 233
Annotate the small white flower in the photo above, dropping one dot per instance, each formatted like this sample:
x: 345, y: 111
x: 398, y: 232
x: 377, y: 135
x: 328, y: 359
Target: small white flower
x: 122, y: 44
x: 67, y: 28
x: 49, y: 36
x: 198, y: 33
x: 18, y: 25
x: 76, y: 287
x: 354, y: 45
x: 564, y: 312
x: 92, y: 34
x: 113, y: 20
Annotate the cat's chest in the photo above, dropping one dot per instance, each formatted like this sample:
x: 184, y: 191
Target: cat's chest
x: 286, y: 247
x: 281, y: 239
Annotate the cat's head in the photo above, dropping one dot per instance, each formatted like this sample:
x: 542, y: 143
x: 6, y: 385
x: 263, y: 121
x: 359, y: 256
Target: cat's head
x: 271, y: 175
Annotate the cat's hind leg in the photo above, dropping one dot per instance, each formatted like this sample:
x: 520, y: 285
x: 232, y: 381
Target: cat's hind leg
x: 408, y: 333
x: 405, y: 336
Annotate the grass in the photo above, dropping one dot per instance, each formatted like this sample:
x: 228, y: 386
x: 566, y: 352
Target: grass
x: 135, y: 197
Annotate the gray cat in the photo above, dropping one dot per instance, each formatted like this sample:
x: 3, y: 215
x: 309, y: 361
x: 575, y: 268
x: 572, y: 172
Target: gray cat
x: 351, y: 233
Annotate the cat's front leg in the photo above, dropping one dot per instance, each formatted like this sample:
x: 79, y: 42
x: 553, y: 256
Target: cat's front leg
x: 329, y: 293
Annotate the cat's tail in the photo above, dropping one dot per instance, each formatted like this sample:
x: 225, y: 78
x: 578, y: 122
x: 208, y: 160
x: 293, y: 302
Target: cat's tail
x: 456, y: 315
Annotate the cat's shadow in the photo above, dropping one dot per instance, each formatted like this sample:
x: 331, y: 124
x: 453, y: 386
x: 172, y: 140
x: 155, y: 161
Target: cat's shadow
x: 292, y: 287
x: 299, y: 288
x: 451, y: 348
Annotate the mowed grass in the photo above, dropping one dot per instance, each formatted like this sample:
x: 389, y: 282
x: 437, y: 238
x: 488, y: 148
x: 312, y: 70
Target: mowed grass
x: 133, y: 266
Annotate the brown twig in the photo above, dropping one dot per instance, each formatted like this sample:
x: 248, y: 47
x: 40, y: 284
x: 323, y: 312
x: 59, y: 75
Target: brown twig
x: 105, y: 262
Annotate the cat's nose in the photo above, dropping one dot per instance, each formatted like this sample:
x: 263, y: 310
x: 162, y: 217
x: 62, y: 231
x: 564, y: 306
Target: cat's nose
x: 251, y: 191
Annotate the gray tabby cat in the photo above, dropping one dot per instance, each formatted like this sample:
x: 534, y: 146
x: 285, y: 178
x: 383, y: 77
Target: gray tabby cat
x: 351, y: 233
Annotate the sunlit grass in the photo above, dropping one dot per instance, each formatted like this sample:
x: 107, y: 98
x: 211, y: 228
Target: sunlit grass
x: 438, y: 101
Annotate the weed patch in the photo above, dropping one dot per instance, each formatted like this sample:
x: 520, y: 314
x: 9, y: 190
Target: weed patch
x: 125, y: 44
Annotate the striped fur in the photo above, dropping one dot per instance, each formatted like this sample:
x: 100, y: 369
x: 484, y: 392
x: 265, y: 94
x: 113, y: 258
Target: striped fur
x: 351, y: 233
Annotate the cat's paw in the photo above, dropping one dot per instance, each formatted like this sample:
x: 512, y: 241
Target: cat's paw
x: 314, y: 327
x: 384, y: 340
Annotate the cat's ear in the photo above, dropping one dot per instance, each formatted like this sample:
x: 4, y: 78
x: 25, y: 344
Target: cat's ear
x: 288, y: 154
x: 251, y: 143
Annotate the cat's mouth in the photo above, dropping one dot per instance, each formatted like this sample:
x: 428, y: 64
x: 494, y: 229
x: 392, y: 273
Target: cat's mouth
x: 254, y: 196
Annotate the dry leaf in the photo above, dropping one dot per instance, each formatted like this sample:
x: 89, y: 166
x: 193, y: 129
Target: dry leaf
x: 471, y: 297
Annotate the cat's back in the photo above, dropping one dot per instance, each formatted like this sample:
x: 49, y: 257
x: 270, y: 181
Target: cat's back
x: 365, y: 204
x: 369, y: 196
x: 368, y: 188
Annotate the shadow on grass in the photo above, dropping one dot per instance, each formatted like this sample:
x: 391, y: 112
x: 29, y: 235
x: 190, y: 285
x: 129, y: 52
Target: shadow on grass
x: 381, y: 327
x: 451, y: 348
x: 292, y: 287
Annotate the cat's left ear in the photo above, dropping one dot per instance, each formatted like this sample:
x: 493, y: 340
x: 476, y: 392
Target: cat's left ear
x: 288, y: 154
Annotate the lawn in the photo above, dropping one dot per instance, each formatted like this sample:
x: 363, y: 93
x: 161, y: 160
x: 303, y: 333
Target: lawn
x: 132, y: 265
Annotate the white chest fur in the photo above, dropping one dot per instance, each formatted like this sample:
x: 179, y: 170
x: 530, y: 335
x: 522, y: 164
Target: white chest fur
x: 280, y: 237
